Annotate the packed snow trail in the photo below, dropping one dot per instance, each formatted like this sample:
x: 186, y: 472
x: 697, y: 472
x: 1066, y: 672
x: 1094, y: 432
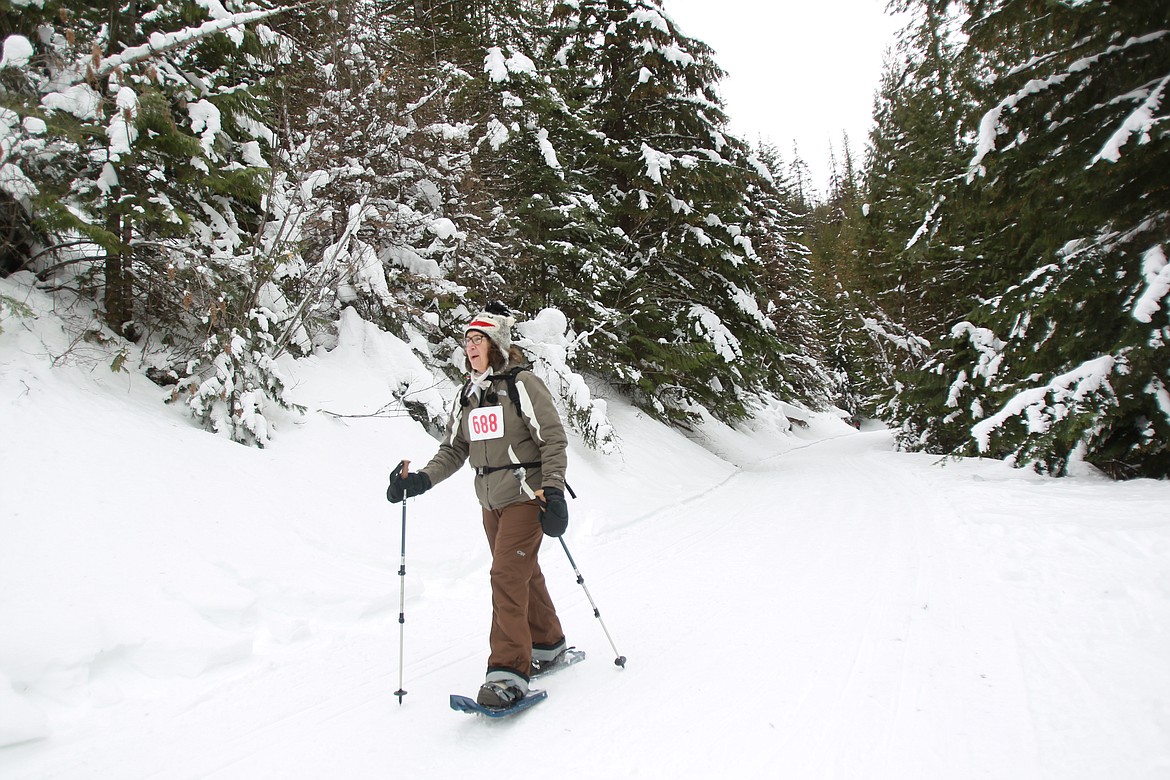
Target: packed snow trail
x: 820, y: 614
x: 808, y: 611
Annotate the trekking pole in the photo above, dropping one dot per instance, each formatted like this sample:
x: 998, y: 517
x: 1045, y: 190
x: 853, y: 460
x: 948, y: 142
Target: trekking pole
x: 621, y: 659
x: 402, y: 590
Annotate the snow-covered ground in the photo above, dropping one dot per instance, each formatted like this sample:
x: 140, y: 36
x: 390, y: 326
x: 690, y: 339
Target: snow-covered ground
x: 801, y: 603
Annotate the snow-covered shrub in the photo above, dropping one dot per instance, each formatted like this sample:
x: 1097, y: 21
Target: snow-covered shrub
x: 235, y: 384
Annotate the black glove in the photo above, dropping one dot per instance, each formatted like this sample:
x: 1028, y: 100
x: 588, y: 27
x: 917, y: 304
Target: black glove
x: 414, y: 484
x: 554, y: 515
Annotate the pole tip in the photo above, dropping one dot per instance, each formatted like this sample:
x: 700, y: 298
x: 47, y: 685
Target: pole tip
x: 400, y: 693
x: 620, y: 661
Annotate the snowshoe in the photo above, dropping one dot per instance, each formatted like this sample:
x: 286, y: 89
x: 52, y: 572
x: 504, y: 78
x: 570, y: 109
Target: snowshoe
x: 566, y: 657
x: 472, y: 707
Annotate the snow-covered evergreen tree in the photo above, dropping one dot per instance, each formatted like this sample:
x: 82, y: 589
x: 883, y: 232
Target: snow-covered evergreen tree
x: 887, y: 279
x: 373, y: 155
x: 138, y: 152
x: 786, y: 280
x: 687, y: 322
x: 1069, y: 360
x: 916, y: 157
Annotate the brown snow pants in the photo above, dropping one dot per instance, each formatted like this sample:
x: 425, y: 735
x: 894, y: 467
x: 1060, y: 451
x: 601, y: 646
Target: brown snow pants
x: 523, y: 614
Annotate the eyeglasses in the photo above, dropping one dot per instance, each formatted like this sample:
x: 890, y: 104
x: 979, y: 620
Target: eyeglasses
x: 476, y: 339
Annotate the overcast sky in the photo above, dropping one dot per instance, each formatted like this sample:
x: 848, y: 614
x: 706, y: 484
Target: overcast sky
x: 799, y: 71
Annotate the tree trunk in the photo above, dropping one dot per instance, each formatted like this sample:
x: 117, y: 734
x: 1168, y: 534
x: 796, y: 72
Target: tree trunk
x: 119, y: 294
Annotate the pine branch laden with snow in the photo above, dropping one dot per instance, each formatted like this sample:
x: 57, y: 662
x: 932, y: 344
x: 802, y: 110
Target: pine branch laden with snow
x: 994, y: 122
x: 1066, y: 406
x: 162, y: 43
x: 1140, y: 123
x: 708, y: 327
x: 1156, y: 295
x: 1150, y: 98
x: 988, y: 347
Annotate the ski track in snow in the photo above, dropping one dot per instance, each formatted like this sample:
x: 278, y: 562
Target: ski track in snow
x: 835, y: 611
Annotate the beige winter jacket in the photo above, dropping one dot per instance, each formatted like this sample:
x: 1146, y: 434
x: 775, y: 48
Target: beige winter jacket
x: 492, y: 436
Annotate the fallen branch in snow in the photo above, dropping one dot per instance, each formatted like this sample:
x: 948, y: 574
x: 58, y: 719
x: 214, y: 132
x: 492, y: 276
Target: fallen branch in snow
x: 400, y: 399
x: 381, y: 412
x: 46, y: 273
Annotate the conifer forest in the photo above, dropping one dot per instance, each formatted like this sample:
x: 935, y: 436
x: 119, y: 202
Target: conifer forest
x: 988, y: 275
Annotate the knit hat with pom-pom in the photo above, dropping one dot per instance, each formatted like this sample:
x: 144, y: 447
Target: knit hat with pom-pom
x: 496, y: 323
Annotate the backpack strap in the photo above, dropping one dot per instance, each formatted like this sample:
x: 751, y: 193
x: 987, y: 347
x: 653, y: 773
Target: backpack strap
x: 510, y: 378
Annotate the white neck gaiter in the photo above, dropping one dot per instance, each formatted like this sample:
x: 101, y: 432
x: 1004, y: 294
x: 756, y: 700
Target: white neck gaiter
x: 478, y: 383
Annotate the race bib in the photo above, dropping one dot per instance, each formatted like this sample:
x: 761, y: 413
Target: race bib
x: 486, y: 423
